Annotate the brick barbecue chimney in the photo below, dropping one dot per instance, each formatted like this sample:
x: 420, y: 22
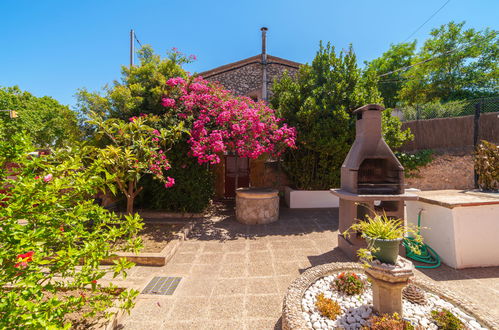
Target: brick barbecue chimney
x: 370, y: 166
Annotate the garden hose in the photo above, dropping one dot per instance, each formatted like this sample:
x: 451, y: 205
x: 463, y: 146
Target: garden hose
x: 427, y: 254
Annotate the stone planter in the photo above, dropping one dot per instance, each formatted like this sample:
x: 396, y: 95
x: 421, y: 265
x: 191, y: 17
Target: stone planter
x: 310, y: 199
x: 292, y: 312
x: 257, y: 205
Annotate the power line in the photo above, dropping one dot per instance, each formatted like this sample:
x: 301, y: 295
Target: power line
x: 439, y: 9
x: 425, y: 61
x: 135, y: 36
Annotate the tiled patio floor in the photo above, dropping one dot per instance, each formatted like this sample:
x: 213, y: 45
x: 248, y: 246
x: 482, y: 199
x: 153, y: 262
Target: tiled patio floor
x: 235, y: 276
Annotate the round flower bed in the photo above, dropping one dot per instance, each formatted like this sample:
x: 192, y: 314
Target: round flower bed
x: 338, y: 295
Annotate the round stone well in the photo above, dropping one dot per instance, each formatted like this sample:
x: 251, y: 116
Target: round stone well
x: 257, y: 205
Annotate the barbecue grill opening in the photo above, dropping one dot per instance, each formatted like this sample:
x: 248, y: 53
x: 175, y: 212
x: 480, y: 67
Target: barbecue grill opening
x: 378, y: 176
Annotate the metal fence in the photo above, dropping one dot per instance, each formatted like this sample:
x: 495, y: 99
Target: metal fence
x: 451, y: 125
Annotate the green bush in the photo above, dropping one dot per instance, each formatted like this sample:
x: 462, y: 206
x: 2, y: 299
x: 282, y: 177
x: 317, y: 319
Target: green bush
x: 438, y: 110
x: 193, y: 189
x: 52, y: 239
x: 318, y: 102
x: 413, y: 161
x: 487, y: 166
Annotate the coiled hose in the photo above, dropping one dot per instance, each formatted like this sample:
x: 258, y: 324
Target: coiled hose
x: 427, y: 254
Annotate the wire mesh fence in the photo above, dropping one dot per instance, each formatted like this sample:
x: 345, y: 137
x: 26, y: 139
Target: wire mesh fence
x: 449, y: 109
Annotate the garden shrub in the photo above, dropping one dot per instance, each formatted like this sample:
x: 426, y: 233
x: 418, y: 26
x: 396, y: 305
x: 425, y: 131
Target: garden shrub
x: 487, y: 166
x: 413, y: 161
x: 389, y: 322
x: 193, y: 189
x: 446, y: 320
x: 327, y: 307
x: 319, y: 102
x: 437, y: 109
x: 52, y: 239
x: 349, y: 283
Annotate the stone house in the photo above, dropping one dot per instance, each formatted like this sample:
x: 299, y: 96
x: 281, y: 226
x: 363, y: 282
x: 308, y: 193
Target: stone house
x: 252, y: 77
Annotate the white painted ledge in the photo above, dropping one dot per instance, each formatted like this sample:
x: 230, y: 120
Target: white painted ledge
x: 310, y: 199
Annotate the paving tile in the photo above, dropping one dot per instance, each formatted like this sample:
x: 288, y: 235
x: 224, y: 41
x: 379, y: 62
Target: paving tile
x: 190, y: 247
x: 195, y: 286
x: 230, y: 287
x: 234, y: 271
x: 259, y: 244
x: 234, y: 258
x: 263, y: 306
x: 224, y: 325
x: 226, y: 308
x: 260, y: 324
x: 189, y: 308
x: 283, y: 283
x: 183, y: 258
x: 142, y: 325
x: 259, y: 256
x: 146, y: 310
x: 183, y: 325
x: 289, y: 268
x: 174, y: 269
x: 206, y: 270
x: 265, y: 285
x: 214, y: 247
x: 239, y: 245
x: 258, y: 269
x: 209, y: 258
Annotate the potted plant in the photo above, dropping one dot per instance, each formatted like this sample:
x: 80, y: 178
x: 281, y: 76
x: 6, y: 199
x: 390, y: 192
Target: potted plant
x: 383, y: 236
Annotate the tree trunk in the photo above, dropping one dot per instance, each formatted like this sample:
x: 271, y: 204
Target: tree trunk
x: 130, y: 197
x: 237, y: 175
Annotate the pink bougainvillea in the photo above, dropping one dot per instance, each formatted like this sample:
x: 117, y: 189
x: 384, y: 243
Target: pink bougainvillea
x: 223, y: 123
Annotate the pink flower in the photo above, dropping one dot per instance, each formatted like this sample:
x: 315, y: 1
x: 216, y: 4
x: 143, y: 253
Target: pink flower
x: 132, y: 119
x: 169, y: 182
x: 47, y: 178
x: 156, y: 132
x: 175, y: 81
x: 170, y: 103
x: 193, y: 57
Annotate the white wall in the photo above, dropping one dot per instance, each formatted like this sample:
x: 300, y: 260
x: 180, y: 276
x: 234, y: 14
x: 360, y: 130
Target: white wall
x: 464, y: 237
x: 305, y: 199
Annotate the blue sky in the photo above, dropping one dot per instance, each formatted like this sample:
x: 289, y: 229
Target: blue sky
x: 54, y: 47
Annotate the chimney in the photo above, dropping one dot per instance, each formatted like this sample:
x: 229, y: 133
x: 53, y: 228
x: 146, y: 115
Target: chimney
x: 264, y: 63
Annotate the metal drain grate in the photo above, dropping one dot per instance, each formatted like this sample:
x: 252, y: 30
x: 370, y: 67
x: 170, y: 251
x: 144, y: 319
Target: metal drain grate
x: 162, y: 285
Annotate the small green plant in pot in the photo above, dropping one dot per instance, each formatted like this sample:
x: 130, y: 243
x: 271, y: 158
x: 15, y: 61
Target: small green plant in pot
x: 383, y: 236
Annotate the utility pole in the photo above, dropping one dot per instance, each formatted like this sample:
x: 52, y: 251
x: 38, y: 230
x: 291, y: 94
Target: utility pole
x: 264, y: 63
x: 132, y: 35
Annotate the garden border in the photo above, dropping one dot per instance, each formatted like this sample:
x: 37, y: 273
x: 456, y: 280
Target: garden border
x: 155, y: 258
x: 292, y: 317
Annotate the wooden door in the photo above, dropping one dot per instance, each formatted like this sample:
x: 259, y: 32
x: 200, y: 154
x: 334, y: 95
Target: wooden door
x: 230, y: 175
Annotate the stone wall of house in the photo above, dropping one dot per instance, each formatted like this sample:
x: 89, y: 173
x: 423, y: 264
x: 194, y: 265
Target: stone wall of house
x: 247, y: 80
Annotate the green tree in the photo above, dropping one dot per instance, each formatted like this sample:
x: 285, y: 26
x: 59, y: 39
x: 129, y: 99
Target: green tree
x: 140, y: 89
x: 460, y: 63
x: 46, y: 122
x: 318, y: 103
x: 135, y: 149
x: 53, y: 239
x: 396, y: 57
